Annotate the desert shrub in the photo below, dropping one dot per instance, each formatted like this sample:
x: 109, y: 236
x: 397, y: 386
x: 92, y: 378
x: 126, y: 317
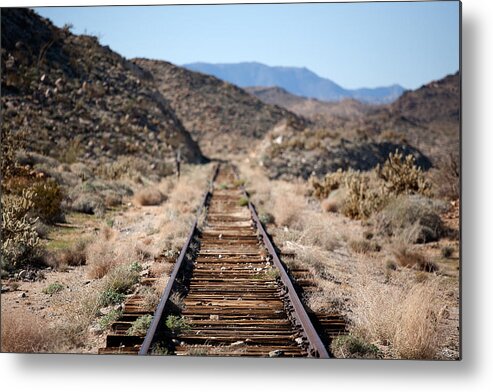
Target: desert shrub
x: 267, y: 218
x: 75, y: 255
x: 71, y: 152
x: 446, y: 178
x: 349, y: 346
x: 105, y: 321
x: 53, y: 288
x: 401, y: 175
x: 415, y: 218
x: 413, y: 259
x: 47, y: 200
x: 81, y: 170
x: 20, y: 241
x: 149, y: 197
x: 110, y: 297
x: 177, y: 324
x: 24, y: 332
x: 89, y: 204
x: 121, y: 278
x: 243, y: 201
x: 140, y: 326
x: 447, y: 251
x: 125, y: 167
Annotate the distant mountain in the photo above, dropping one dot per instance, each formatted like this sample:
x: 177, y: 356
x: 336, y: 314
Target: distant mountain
x: 298, y: 81
x: 223, y: 118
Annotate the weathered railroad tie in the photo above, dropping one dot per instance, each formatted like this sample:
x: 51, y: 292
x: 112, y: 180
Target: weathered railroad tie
x: 228, y: 294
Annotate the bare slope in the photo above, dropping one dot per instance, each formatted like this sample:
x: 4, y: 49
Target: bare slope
x: 69, y: 93
x: 221, y: 117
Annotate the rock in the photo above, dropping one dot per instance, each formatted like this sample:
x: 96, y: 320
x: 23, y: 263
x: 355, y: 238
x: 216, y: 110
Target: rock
x: 276, y: 353
x: 22, y: 295
x: 238, y: 343
x: 22, y: 274
x: 214, y: 317
x: 96, y: 329
x: 106, y: 310
x: 299, y: 340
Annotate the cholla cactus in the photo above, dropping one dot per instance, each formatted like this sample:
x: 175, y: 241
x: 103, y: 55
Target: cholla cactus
x: 362, y: 200
x: 19, y: 237
x: 331, y: 182
x: 402, y: 176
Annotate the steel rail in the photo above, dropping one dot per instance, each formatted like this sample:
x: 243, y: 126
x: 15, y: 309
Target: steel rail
x: 158, y: 314
x: 317, y: 348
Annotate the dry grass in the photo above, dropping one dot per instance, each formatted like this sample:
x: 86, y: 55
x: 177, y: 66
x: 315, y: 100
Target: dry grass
x: 401, y: 315
x: 24, y: 332
x: 109, y: 250
x: 149, y: 197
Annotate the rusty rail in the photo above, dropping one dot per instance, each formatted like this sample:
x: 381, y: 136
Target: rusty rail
x: 317, y: 348
x: 157, y: 317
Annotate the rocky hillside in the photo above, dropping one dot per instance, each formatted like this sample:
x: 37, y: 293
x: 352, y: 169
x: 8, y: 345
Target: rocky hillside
x: 67, y: 93
x: 223, y: 118
x: 428, y: 118
x: 311, y: 108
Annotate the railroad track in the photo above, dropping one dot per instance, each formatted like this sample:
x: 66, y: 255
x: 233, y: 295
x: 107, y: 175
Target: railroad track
x: 229, y: 294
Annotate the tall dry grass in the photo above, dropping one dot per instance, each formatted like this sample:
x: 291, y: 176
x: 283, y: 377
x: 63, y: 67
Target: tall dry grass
x: 402, y: 315
x: 23, y: 332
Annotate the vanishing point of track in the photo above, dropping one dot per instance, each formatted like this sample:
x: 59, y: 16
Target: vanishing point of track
x: 236, y: 295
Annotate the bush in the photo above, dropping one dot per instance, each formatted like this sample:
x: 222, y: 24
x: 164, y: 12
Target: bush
x: 447, y: 251
x: 267, y: 218
x: 149, y: 197
x: 415, y: 218
x: 110, y: 297
x: 121, y: 279
x: 177, y: 324
x: 47, y: 201
x: 20, y: 241
x: 108, y: 319
x: 140, y: 326
x: 53, y: 288
x: 243, y: 201
x: 349, y: 346
x: 89, y: 204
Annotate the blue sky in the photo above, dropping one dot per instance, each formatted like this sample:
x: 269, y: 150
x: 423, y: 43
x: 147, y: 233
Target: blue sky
x: 355, y: 45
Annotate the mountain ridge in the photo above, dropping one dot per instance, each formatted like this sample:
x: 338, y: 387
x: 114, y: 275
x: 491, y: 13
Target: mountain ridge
x: 299, y: 81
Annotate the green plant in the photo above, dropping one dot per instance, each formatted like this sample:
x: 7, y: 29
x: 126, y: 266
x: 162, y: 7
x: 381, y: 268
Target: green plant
x: 140, y: 326
x: 159, y: 349
x: 267, y: 218
x: 243, y: 201
x: 121, y: 278
x: 53, y: 288
x: 108, y: 319
x: 110, y: 297
x: 349, y: 346
x: 135, y: 267
x: 177, y: 324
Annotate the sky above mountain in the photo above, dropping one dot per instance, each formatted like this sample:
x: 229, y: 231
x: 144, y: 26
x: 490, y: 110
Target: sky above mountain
x: 355, y: 44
